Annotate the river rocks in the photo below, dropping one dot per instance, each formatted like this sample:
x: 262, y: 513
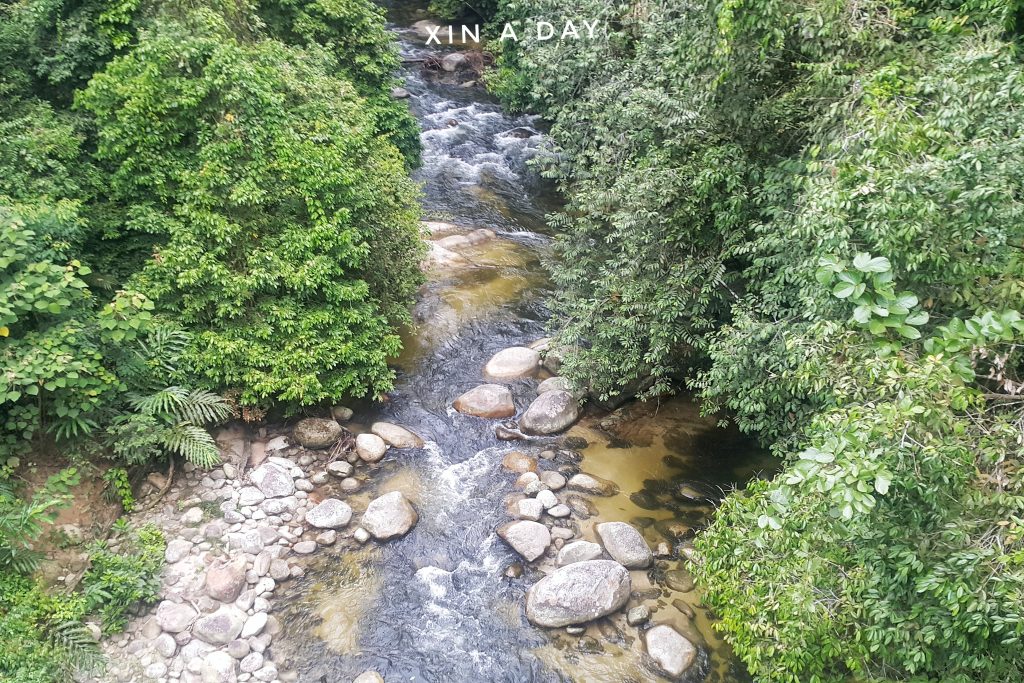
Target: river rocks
x: 370, y: 447
x: 578, y: 551
x: 555, y: 384
x: 304, y: 548
x: 399, y: 93
x: 389, y: 516
x: 369, y: 677
x: 529, y: 539
x: 174, y: 618
x: 672, y: 652
x: 341, y: 413
x: 589, y: 483
x: 578, y: 593
x: 553, y: 480
x: 454, y: 62
x: 679, y: 580
x: 221, y: 627
x: 624, y: 544
x: 272, y: 480
x: 487, y: 400
x: 254, y: 625
x: 559, y: 511
x: 513, y: 363
x: 250, y: 495
x: 339, y: 468
x: 316, y: 432
x: 225, y: 580
x: 514, y: 461
x: 547, y: 499
x: 640, y: 614
x: 330, y: 514
x: 550, y: 413
x: 396, y: 436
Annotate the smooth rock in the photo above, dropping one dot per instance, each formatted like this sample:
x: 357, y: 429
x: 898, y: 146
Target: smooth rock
x: 329, y: 514
x: 624, y: 544
x: 173, y: 617
x: 225, y: 579
x: 673, y: 653
x: 338, y: 468
x: 303, y: 548
x: 514, y: 461
x: 251, y: 662
x: 368, y: 677
x: 638, y: 615
x: 578, y: 593
x: 396, y: 436
x: 487, y: 400
x: 530, y: 508
x: 513, y: 363
x: 254, y: 625
x: 316, y: 432
x: 529, y: 539
x: 221, y: 627
x: 559, y: 511
x: 547, y: 499
x: 589, y: 483
x: 341, y: 413
x: 177, y: 550
x: 578, y: 551
x: 218, y: 667
x: 389, y: 516
x: 250, y: 495
x: 555, y: 384
x: 550, y: 413
x: 327, y: 538
x: 370, y: 447
x: 553, y: 480
x: 165, y: 645
x: 454, y: 62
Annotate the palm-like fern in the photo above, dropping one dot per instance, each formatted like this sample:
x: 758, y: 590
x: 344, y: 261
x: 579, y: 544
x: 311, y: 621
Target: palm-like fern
x: 172, y: 420
x: 75, y: 649
x: 21, y: 522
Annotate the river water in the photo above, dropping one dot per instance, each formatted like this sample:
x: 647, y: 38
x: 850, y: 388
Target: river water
x: 439, y: 604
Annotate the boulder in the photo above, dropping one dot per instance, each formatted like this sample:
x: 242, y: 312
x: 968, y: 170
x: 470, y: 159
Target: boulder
x: 396, y: 436
x: 341, y: 413
x: 513, y: 363
x: 272, y: 480
x: 173, y: 617
x: 370, y: 447
x: 226, y: 579
x: 529, y: 508
x: 487, y: 400
x: 578, y: 593
x: 399, y: 93
x: 317, y: 432
x: 221, y: 627
x: 389, y: 516
x: 578, y: 551
x: 589, y: 483
x: 177, y: 550
x: 673, y: 653
x: 624, y: 544
x: 338, y: 468
x: 550, y: 413
x: 329, y: 514
x: 555, y: 384
x: 454, y: 62
x: 529, y: 539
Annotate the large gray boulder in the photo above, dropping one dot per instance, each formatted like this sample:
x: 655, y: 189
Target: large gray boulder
x: 578, y: 593
x: 330, y: 514
x: 673, y: 653
x: 272, y: 480
x: 529, y: 539
x: 550, y: 413
x: 389, y: 516
x: 624, y: 544
x: 396, y: 436
x: 221, y: 627
x: 487, y: 400
x: 513, y: 363
x: 316, y: 432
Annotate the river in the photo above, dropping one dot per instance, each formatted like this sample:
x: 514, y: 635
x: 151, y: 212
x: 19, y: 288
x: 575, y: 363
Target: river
x: 445, y: 602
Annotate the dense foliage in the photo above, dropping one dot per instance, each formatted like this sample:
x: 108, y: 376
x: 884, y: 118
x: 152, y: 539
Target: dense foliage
x: 204, y: 206
x: 811, y: 214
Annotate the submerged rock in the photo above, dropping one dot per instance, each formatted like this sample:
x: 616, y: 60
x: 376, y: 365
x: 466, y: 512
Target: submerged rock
x: 589, y: 483
x: 673, y: 653
x: 578, y: 593
x: 389, y: 516
x: 396, y: 436
x: 514, y: 461
x: 486, y: 400
x: 550, y: 413
x: 625, y: 544
x: 316, y: 432
x: 529, y: 539
x: 513, y: 363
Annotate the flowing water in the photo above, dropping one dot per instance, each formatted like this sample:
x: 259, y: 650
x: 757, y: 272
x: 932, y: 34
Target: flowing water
x: 439, y: 604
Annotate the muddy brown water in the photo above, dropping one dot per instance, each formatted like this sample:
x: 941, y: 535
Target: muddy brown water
x: 437, y: 604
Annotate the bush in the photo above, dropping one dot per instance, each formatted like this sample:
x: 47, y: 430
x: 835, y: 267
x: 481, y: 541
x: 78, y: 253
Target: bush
x: 118, y: 581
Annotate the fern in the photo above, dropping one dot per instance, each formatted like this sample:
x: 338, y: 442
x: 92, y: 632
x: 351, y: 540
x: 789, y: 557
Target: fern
x: 75, y: 649
x: 171, y: 420
x: 192, y: 443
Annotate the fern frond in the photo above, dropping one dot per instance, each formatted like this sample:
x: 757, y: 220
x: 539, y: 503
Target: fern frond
x: 165, y: 402
x: 192, y: 443
x: 203, y: 407
x: 78, y: 651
